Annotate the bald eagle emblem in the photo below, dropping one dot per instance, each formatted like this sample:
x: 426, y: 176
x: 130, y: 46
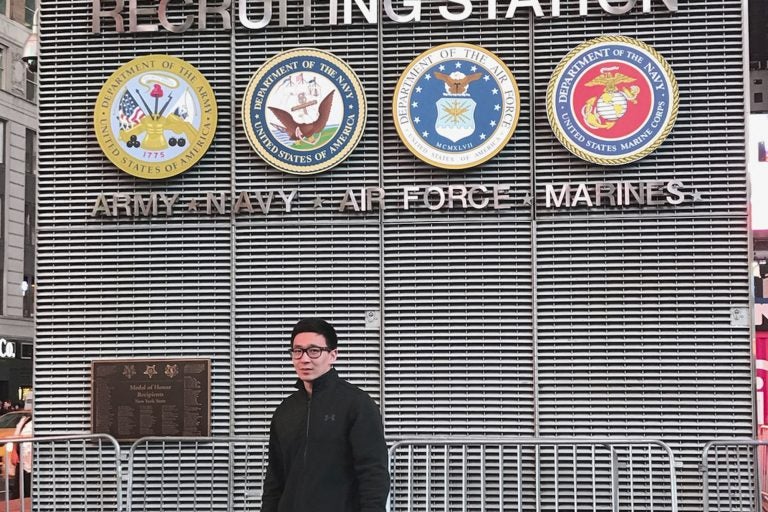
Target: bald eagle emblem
x: 605, y: 110
x: 304, y: 111
x: 456, y: 109
x: 457, y: 82
x: 297, y: 126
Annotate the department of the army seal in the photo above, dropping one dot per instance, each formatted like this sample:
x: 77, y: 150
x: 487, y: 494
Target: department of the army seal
x: 155, y: 116
x: 304, y: 111
x: 612, y: 100
x: 456, y: 105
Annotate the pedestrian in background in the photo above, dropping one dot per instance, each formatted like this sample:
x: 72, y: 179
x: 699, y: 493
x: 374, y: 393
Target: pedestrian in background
x: 24, y: 471
x: 326, y: 443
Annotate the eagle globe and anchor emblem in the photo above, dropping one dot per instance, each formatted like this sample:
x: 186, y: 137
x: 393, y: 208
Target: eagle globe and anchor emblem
x: 604, y: 110
x: 304, y: 111
x: 456, y: 106
x: 155, y: 116
x: 612, y: 100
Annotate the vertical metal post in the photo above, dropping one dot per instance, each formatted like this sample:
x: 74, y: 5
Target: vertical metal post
x: 428, y: 483
x: 614, y: 480
x: 464, y: 477
x: 519, y: 479
x: 631, y: 475
x: 482, y: 479
x: 537, y: 469
x: 759, y: 479
x: 409, y: 479
x: 730, y: 476
x: 575, y: 477
x: 230, y: 475
x: 445, y: 480
x: 556, y: 467
x: 650, y: 479
x: 594, y: 479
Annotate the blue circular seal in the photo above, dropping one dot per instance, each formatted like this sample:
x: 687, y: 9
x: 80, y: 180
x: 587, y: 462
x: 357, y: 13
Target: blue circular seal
x: 456, y: 106
x: 612, y: 100
x: 304, y: 111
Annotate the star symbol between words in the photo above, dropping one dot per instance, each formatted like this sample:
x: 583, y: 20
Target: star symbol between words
x: 528, y: 199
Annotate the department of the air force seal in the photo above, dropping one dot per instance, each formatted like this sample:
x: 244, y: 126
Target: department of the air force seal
x: 456, y: 105
x: 155, y: 116
x: 612, y: 100
x: 304, y: 111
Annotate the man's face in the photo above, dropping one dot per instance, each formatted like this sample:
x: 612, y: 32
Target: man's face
x: 309, y: 369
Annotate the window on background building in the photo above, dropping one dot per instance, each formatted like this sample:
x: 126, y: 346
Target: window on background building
x: 29, y: 13
x: 20, y: 11
x: 2, y: 214
x: 30, y: 187
x: 2, y: 65
x: 31, y: 93
x: 3, y: 8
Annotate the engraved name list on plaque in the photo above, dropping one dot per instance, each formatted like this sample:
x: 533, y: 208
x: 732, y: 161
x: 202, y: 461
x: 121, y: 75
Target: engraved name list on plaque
x: 134, y: 398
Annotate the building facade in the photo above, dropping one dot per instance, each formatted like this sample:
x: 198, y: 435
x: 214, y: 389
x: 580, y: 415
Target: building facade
x: 18, y: 170
x: 557, y: 314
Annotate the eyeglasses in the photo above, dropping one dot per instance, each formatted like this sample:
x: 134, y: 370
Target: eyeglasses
x: 312, y: 352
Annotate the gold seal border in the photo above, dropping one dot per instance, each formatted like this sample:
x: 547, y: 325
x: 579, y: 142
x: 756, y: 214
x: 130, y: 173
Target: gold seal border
x: 354, y: 138
x: 485, y: 158
x: 102, y: 114
x: 660, y: 136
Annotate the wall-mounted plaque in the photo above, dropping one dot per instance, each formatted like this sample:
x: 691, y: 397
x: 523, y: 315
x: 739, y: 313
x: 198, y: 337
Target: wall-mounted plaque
x: 304, y: 111
x: 134, y: 398
x: 612, y: 100
x: 155, y: 117
x: 456, y: 105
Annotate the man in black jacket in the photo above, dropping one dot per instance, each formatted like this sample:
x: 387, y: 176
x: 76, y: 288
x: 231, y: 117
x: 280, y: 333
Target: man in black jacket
x: 326, y: 443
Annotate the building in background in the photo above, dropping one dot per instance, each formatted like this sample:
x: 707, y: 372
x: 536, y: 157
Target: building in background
x: 18, y: 171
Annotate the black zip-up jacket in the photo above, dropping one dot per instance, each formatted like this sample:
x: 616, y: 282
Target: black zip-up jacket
x: 326, y: 451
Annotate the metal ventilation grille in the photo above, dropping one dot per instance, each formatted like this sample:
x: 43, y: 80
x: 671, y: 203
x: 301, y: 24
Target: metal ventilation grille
x: 117, y: 293
x: 584, y: 322
x: 702, y: 42
x: 74, y: 65
x: 356, y: 44
x: 448, y: 369
x: 635, y: 336
x: 510, y: 41
x: 287, y: 272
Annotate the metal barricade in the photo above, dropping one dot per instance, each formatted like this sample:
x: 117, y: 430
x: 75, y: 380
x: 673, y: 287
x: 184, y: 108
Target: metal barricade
x: 196, y: 473
x: 64, y: 473
x: 733, y: 476
x: 531, y: 474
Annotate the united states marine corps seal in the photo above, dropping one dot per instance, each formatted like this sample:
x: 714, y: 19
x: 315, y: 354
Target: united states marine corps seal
x: 612, y: 100
x: 456, y: 106
x: 304, y: 111
x: 155, y: 116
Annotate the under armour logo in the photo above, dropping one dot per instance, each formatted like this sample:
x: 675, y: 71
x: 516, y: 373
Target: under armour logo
x: 330, y: 417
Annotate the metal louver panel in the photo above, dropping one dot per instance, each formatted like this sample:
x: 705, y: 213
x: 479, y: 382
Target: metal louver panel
x: 510, y: 41
x: 635, y: 336
x: 286, y: 272
x: 524, y: 321
x: 447, y: 368
x: 703, y: 44
x: 129, y: 293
